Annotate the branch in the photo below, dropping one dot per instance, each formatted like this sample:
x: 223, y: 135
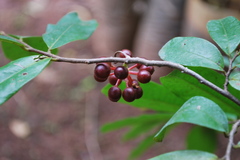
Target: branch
x: 230, y: 142
x: 151, y: 63
x: 230, y: 69
x: 133, y: 60
x: 28, y: 47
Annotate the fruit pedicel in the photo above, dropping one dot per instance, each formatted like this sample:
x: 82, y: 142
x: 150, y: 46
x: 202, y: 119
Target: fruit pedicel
x: 120, y: 73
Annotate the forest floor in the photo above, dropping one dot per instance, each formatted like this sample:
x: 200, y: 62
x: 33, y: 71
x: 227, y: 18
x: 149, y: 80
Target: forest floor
x: 58, y: 115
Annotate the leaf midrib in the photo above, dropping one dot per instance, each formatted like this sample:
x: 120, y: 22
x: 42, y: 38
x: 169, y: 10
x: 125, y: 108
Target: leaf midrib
x: 61, y: 35
x: 225, y: 33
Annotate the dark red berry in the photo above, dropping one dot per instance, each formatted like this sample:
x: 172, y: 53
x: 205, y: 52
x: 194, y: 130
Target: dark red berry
x: 99, y: 79
x: 138, y: 92
x: 102, y: 70
x: 121, y: 72
x: 144, y: 76
x: 129, y: 94
x: 150, y: 69
x: 112, y: 79
x: 126, y: 52
x: 133, y: 83
x: 114, y: 93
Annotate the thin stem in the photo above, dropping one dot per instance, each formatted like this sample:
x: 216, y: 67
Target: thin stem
x: 152, y: 63
x: 229, y: 71
x: 133, y: 72
x: 112, y: 68
x: 133, y: 66
x: 128, y: 60
x: 118, y: 82
x: 129, y: 81
x: 29, y: 48
x: 230, y: 142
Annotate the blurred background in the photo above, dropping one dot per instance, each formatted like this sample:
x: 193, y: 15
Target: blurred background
x: 58, y: 114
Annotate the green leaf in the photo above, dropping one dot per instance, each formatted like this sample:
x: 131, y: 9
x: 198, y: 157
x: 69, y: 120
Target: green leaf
x: 185, y: 86
x: 231, y: 116
x: 192, y: 51
x: 198, y: 110
x: 17, y: 73
x: 142, y: 146
x: 237, y: 62
x: 10, y: 40
x: 69, y: 28
x: 139, y: 125
x: 201, y: 138
x: 142, y: 119
x: 14, y: 52
x: 225, y: 32
x: 155, y: 97
x: 186, y: 155
x: 234, y: 80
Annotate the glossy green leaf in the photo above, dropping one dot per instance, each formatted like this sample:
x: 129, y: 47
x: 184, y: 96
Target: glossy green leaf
x: 185, y: 86
x: 17, y: 73
x: 142, y: 146
x: 226, y: 61
x: 69, y: 28
x: 186, y: 155
x: 199, y: 111
x: 201, y: 138
x: 10, y: 40
x: 234, y: 80
x: 155, y: 97
x: 14, y: 52
x: 237, y: 62
x: 192, y: 51
x: 225, y: 32
x: 131, y: 121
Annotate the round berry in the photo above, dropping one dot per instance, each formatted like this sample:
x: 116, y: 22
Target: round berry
x: 133, y: 83
x: 129, y: 94
x: 126, y: 52
x: 112, y: 79
x: 150, y: 69
x: 114, y: 93
x: 99, y: 79
x: 121, y: 72
x: 138, y: 92
x: 144, y: 76
x: 102, y: 70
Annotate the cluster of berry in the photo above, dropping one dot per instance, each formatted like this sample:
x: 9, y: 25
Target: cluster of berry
x: 133, y: 90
